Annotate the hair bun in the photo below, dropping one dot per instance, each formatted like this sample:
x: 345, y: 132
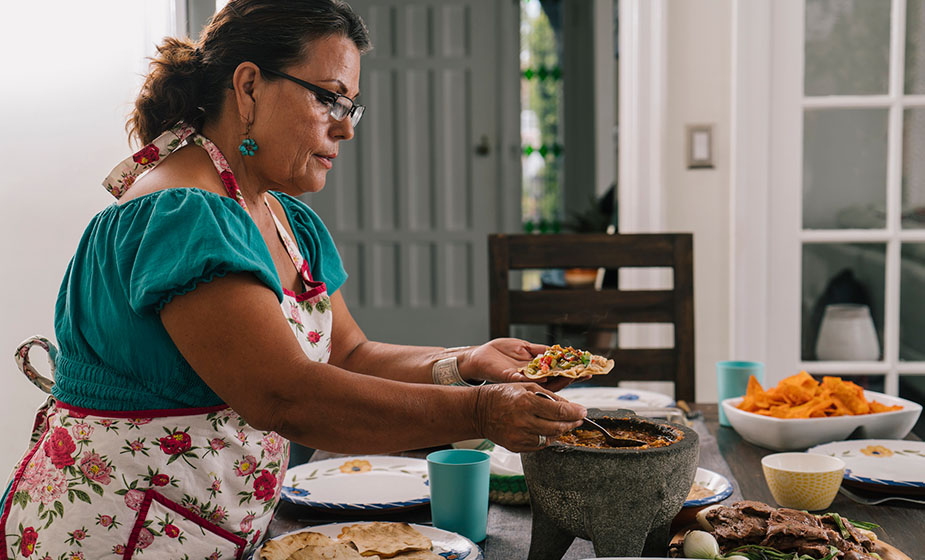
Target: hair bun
x: 188, y: 81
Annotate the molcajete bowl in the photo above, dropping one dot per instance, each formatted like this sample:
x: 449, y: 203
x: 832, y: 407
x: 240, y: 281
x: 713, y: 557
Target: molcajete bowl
x: 621, y: 499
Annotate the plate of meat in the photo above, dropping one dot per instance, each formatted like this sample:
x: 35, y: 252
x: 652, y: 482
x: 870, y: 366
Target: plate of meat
x: 756, y: 530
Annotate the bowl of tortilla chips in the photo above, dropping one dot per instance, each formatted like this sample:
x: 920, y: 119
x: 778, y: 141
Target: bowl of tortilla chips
x: 801, y: 412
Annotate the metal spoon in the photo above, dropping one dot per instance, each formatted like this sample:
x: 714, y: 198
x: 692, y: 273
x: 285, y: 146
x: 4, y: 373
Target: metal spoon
x: 611, y: 440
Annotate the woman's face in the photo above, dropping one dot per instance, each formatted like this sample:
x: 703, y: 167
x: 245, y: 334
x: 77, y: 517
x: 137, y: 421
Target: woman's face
x: 297, y: 136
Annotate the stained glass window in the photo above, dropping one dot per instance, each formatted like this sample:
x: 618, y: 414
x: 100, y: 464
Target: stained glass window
x: 541, y: 115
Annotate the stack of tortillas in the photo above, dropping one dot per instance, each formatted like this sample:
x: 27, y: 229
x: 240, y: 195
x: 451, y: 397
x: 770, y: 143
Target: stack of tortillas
x: 365, y: 541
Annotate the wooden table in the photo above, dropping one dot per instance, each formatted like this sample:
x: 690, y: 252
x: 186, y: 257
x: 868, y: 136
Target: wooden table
x: 903, y: 526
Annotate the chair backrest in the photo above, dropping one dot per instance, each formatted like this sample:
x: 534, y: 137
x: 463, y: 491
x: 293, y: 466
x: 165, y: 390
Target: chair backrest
x: 606, y: 308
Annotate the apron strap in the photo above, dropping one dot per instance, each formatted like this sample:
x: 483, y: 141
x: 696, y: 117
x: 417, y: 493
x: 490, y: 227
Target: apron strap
x: 124, y: 175
x: 293, y: 249
x: 25, y: 365
x: 221, y: 165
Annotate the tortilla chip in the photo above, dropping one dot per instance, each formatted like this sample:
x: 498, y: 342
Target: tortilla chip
x: 599, y: 366
x: 755, y: 397
x: 281, y: 549
x: 801, y: 396
x: 880, y: 407
x: 384, y: 539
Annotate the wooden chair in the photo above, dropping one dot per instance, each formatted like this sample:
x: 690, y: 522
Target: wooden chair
x: 606, y: 308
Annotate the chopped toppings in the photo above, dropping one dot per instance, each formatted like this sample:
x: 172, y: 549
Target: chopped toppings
x: 557, y: 357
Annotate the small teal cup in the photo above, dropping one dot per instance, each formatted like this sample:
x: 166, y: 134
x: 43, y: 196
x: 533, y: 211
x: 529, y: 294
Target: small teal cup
x: 459, y: 491
x: 732, y: 381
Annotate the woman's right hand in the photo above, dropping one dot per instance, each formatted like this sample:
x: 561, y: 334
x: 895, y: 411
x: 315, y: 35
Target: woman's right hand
x: 513, y: 416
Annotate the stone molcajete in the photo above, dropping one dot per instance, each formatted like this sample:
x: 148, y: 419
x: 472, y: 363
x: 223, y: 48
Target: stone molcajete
x: 622, y: 499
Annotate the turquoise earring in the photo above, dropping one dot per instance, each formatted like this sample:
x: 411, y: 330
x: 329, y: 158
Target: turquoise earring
x: 248, y: 147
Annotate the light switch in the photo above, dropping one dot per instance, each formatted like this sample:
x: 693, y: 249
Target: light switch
x: 699, y: 146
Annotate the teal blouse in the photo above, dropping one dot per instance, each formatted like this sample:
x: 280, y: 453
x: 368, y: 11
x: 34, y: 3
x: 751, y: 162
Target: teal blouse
x: 114, y: 353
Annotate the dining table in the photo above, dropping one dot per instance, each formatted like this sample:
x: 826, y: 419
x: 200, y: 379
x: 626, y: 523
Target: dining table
x: 722, y: 450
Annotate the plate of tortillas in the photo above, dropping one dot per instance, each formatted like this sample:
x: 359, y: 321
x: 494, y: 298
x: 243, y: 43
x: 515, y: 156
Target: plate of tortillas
x: 375, y: 540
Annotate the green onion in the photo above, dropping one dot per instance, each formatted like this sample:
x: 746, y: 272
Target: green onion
x: 586, y: 358
x: 758, y: 552
x: 867, y: 526
x: 841, y: 525
x: 859, y: 524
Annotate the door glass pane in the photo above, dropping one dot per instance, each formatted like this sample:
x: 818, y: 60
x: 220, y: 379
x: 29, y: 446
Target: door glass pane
x: 841, y: 274
x: 913, y: 189
x: 912, y: 302
x: 847, y: 47
x: 915, y: 46
x: 912, y: 387
x: 542, y: 158
x: 844, y: 168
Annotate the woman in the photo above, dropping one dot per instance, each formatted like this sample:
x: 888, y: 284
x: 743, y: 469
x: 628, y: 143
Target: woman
x: 179, y: 382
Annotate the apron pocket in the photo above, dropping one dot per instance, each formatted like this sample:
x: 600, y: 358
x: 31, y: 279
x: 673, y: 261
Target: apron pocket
x: 165, y: 529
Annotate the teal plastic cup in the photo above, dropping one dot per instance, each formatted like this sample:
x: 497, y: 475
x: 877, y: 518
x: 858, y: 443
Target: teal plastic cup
x: 732, y: 381
x: 459, y: 491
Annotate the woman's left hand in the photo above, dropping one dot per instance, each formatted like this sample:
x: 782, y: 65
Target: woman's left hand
x: 497, y: 361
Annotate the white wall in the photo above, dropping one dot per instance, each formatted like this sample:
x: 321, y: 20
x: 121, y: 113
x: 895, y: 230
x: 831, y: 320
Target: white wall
x: 70, y: 73
x: 698, y: 89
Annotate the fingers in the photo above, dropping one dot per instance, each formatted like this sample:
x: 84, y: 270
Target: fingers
x: 559, y: 409
x: 515, y: 417
x: 534, y: 348
x: 514, y: 376
x: 536, y: 438
x: 557, y: 383
x: 528, y: 442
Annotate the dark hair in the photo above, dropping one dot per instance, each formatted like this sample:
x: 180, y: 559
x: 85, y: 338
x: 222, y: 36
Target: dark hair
x: 187, y: 81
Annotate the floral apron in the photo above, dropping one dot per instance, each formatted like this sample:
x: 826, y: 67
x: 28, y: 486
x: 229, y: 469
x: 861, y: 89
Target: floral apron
x: 189, y: 483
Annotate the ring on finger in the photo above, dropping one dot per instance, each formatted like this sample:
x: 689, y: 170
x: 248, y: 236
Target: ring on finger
x: 542, y: 442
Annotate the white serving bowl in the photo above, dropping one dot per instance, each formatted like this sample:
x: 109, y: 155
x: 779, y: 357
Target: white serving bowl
x: 786, y: 434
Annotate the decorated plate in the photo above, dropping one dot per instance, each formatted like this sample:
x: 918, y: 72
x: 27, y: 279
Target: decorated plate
x: 371, y: 483
x: 446, y: 544
x: 612, y: 398
x: 892, y: 465
x: 710, y: 480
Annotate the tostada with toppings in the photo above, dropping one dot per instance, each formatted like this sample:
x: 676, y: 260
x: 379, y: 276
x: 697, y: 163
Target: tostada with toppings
x: 557, y: 361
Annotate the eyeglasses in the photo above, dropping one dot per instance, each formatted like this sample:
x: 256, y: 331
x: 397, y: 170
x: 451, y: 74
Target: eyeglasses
x: 340, y: 105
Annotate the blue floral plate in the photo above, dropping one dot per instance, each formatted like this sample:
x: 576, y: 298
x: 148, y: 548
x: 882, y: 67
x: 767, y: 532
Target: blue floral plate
x: 718, y: 484
x: 365, y: 483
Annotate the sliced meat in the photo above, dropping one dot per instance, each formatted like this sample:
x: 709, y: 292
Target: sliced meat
x: 792, y: 527
x: 741, y: 523
x: 785, y: 529
x: 856, y: 542
x: 866, y: 544
x: 750, y: 507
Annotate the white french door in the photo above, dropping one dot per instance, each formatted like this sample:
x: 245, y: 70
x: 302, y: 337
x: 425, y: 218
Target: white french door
x: 846, y: 184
